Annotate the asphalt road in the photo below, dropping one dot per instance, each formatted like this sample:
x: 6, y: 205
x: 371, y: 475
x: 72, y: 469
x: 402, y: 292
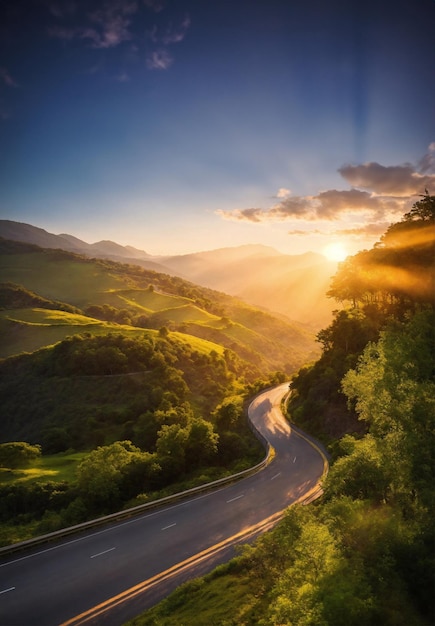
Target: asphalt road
x: 111, y: 574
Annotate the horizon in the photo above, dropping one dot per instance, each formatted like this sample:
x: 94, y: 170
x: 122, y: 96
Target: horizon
x: 179, y: 128
x: 163, y: 256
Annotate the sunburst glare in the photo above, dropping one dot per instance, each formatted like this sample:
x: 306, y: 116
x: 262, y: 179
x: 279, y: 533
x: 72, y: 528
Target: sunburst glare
x: 335, y: 251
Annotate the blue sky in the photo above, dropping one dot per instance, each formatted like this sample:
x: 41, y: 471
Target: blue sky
x: 187, y: 125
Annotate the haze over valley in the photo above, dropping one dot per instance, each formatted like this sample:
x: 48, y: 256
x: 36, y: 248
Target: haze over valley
x: 294, y: 286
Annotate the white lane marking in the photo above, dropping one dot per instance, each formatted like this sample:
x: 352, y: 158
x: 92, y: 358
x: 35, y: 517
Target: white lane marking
x: 100, y: 553
x: 276, y: 476
x: 294, y: 459
x: 117, y: 524
x: 236, y: 498
x: 170, y: 526
x: 140, y: 517
x: 6, y: 590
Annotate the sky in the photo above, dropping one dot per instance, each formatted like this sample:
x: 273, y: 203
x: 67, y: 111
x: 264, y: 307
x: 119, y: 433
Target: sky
x: 179, y: 126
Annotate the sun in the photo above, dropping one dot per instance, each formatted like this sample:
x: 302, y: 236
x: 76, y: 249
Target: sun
x: 335, y: 251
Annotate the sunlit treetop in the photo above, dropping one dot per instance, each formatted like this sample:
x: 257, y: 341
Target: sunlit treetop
x: 398, y: 272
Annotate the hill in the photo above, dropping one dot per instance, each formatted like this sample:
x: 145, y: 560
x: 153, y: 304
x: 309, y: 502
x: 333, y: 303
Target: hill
x: 97, y: 296
x: 292, y: 285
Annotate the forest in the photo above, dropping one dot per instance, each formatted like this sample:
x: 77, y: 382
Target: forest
x: 363, y: 554
x: 153, y: 415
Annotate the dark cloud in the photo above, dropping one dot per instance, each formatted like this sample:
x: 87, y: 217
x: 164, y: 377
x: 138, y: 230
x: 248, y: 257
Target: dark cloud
x: 398, y: 180
x: 378, y: 193
x: 107, y: 24
x: 327, y: 205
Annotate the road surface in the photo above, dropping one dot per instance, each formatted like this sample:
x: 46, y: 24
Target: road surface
x: 109, y: 575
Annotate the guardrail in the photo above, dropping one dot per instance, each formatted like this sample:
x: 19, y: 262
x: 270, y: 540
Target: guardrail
x: 142, y: 508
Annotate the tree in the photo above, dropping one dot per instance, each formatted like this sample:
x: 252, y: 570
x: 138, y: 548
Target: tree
x: 363, y: 472
x: 202, y: 443
x: 171, y: 450
x: 393, y: 390
x: 18, y: 454
x: 100, y: 474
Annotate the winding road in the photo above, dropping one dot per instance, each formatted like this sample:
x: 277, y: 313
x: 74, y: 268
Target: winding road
x: 111, y: 574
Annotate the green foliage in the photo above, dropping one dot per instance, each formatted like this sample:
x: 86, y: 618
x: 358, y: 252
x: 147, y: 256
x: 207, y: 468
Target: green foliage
x: 317, y: 402
x: 18, y: 454
x: 363, y: 472
x: 394, y: 391
x: 122, y: 294
x: 17, y: 297
x: 399, y: 271
x: 89, y: 391
x: 102, y: 474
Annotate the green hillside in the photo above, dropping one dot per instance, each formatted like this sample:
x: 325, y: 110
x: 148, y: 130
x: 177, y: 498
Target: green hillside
x: 96, y: 297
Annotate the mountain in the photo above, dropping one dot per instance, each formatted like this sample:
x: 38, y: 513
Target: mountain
x: 49, y: 294
x: 17, y: 231
x: 291, y: 285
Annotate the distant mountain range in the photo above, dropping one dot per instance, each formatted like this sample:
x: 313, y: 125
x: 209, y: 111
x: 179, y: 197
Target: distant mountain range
x: 292, y: 285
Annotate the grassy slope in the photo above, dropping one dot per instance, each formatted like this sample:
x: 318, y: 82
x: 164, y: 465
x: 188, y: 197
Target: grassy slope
x: 27, y: 330
x: 83, y: 282
x: 54, y: 467
x: 226, y: 597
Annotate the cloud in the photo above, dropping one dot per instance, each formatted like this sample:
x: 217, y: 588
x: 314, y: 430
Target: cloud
x: 112, y: 21
x: 366, y: 231
x: 327, y: 205
x: 109, y: 23
x: 105, y: 27
x: 171, y: 35
x: 398, y: 180
x: 304, y: 233
x: 378, y: 193
x: 159, y: 60
x: 427, y: 163
x: 331, y: 204
x: 176, y: 34
x: 283, y: 192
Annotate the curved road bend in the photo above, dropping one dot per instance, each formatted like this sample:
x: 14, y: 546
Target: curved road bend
x: 116, y: 568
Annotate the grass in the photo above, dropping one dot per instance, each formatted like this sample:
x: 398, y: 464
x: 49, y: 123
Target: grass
x: 57, y: 278
x: 27, y: 330
x: 151, y: 301
x: 203, y: 346
x: 47, y: 317
x: 226, y: 597
x: 51, y: 467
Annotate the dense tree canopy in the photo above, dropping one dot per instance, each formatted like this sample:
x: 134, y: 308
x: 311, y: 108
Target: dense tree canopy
x: 399, y: 270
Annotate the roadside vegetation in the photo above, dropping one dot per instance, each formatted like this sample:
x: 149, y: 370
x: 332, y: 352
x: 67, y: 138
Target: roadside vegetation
x: 363, y: 555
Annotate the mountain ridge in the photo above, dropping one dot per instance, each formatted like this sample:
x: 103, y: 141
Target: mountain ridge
x: 291, y: 285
